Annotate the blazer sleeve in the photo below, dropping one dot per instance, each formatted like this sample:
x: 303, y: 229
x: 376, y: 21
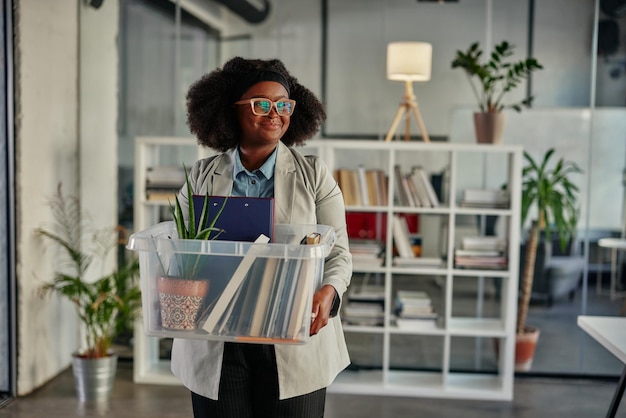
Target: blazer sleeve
x: 330, y: 210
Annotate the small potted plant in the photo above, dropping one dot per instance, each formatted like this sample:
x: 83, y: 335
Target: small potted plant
x: 491, y: 81
x: 547, y: 191
x: 106, y: 306
x: 182, y: 289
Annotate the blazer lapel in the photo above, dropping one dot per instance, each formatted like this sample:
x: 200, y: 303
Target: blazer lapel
x: 222, y: 177
x: 284, y: 185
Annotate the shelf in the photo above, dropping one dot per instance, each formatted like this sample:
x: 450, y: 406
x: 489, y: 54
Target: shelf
x: 481, y: 273
x: 479, y: 386
x: 423, y: 384
x: 151, y: 152
x: 158, y: 374
x: 477, y: 327
x: 440, y: 229
x: 367, y: 329
x: 417, y: 331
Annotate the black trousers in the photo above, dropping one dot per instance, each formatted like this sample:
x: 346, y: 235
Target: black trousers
x: 249, y: 388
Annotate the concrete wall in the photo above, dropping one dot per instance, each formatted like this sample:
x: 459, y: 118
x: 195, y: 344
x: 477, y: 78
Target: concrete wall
x: 65, y: 132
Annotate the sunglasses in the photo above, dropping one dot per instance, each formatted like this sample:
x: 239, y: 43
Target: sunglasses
x: 262, y: 107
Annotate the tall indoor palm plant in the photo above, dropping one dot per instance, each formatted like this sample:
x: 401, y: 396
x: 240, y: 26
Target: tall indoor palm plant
x: 110, y: 303
x: 105, y: 306
x: 550, y: 192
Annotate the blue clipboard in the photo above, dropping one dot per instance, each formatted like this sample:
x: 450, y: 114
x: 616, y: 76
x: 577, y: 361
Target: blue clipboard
x: 243, y: 218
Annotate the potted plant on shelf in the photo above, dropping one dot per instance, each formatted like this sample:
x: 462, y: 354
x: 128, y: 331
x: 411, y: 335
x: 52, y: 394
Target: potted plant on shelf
x: 490, y: 82
x: 181, y: 288
x: 549, y: 193
x: 105, y: 306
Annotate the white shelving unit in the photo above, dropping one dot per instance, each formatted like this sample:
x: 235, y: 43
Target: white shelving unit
x: 466, y: 166
x: 441, y: 228
x: 150, y: 152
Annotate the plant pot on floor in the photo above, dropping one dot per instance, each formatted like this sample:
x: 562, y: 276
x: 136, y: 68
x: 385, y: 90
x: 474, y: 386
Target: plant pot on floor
x: 94, y: 377
x: 180, y: 302
x: 525, y: 345
x: 489, y: 127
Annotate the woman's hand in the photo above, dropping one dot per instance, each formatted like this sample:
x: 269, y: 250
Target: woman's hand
x: 322, y: 303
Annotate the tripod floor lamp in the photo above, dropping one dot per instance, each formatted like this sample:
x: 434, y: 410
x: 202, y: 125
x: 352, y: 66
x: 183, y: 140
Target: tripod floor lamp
x: 408, y: 62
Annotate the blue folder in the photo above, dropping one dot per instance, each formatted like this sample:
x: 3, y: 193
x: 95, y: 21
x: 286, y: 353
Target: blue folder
x: 243, y: 218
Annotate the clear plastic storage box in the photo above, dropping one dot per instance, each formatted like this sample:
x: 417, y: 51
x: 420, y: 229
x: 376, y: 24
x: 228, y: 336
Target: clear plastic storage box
x: 231, y: 291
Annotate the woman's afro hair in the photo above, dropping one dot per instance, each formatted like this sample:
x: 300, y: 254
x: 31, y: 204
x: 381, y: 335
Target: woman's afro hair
x: 211, y: 115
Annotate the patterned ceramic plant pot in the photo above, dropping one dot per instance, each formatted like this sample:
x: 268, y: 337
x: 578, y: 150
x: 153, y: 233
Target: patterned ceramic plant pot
x: 180, y: 301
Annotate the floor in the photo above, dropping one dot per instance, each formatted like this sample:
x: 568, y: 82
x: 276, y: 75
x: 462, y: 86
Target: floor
x: 534, y: 397
x: 561, y: 348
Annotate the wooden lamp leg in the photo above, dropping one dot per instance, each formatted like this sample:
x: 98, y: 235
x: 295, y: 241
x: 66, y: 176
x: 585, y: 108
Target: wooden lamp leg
x: 406, y: 108
x: 395, y: 123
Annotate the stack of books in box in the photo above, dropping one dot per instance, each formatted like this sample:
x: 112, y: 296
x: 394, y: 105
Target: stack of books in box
x: 481, y: 253
x: 258, y: 292
x: 414, y: 310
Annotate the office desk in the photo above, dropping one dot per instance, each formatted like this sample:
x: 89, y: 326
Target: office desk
x: 610, y: 332
x: 614, y: 244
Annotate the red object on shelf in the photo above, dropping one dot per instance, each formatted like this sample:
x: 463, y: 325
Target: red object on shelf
x: 363, y: 225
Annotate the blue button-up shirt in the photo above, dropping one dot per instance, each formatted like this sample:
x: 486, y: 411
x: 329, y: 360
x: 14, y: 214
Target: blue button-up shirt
x: 259, y: 183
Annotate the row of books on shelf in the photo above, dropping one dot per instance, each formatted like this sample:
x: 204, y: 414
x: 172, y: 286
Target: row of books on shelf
x: 369, y: 187
x: 363, y: 186
x: 414, y: 189
x: 404, y: 248
x: 481, y: 252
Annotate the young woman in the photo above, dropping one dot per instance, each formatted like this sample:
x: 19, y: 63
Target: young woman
x: 254, y: 112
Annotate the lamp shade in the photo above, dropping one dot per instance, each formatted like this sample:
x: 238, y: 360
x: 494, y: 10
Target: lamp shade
x: 409, y: 61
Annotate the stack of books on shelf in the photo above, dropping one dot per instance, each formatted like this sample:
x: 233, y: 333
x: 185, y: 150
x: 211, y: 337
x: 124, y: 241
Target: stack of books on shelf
x: 481, y: 253
x: 367, y: 293
x: 485, y: 198
x: 363, y: 313
x: 414, y: 310
x: 163, y: 182
x: 406, y: 255
x: 366, y: 252
x: 414, y: 189
x: 364, y: 305
x: 362, y: 187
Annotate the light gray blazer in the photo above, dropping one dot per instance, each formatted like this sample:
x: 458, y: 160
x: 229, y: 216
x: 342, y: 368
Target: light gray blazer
x: 305, y: 192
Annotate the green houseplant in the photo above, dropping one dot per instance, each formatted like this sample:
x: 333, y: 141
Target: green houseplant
x: 105, y: 306
x: 181, y: 288
x: 548, y: 192
x: 490, y: 81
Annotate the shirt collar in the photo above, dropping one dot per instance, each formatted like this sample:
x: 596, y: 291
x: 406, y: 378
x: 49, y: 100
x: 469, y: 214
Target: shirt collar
x: 267, y: 169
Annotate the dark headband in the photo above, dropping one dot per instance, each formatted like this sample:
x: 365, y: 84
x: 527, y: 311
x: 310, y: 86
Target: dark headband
x: 250, y: 79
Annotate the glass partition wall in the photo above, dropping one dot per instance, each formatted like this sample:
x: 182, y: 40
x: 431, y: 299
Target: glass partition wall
x: 338, y: 49
x: 7, y: 277
x: 606, y: 165
x: 578, y: 110
x: 163, y: 50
